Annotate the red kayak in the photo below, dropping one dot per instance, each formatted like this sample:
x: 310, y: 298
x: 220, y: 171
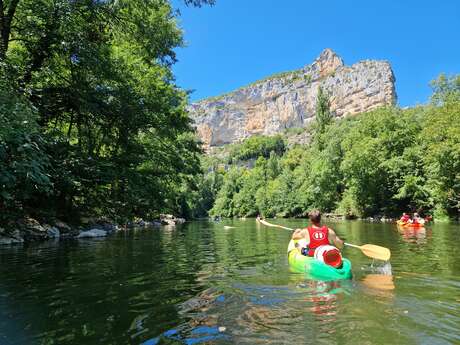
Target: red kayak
x: 409, y: 224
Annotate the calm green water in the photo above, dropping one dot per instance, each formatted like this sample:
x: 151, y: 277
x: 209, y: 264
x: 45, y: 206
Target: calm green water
x: 205, y: 284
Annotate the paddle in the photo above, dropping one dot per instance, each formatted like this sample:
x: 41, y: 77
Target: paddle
x: 373, y: 251
x: 370, y: 250
x: 274, y: 225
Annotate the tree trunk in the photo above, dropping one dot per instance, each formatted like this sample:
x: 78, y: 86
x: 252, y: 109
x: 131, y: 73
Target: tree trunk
x: 5, y: 26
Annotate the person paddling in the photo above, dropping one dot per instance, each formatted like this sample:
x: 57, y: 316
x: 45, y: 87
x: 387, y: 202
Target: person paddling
x: 416, y: 219
x: 316, y: 240
x: 405, y: 218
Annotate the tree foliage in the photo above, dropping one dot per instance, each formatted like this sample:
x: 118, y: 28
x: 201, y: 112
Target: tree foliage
x: 96, y: 122
x: 23, y: 163
x: 385, y: 161
x: 446, y: 89
x: 323, y: 115
x: 257, y: 146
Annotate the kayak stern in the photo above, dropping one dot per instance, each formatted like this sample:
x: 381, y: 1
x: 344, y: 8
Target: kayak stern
x: 316, y: 269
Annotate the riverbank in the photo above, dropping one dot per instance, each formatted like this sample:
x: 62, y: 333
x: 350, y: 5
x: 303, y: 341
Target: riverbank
x: 373, y: 219
x: 31, y: 230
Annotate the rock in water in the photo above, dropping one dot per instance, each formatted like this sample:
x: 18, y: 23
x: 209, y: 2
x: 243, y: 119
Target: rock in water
x: 10, y: 240
x: 62, y: 227
x: 168, y: 219
x: 65, y: 231
x: 288, y: 100
x: 10, y: 237
x: 31, y: 230
x: 53, y: 232
x: 92, y: 233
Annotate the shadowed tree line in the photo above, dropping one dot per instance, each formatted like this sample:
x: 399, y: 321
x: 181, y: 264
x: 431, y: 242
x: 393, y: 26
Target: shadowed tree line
x: 92, y: 122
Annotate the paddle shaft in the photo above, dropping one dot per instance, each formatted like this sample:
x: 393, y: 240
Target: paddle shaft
x: 274, y: 225
x: 352, y: 245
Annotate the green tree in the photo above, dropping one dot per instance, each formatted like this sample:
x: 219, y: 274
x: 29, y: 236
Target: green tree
x: 385, y: 161
x: 372, y: 164
x: 24, y: 166
x: 323, y: 115
x: 245, y: 200
x: 257, y: 146
x: 446, y: 89
x: 440, y: 140
x: 114, y: 124
x: 225, y: 204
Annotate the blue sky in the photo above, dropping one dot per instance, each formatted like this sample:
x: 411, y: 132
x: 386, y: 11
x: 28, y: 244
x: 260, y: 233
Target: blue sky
x: 239, y: 41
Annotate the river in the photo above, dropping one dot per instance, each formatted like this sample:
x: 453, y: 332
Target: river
x: 229, y: 283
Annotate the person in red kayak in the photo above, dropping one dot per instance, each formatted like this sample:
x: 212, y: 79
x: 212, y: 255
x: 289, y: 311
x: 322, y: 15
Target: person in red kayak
x: 317, y: 239
x: 416, y: 219
x: 405, y: 218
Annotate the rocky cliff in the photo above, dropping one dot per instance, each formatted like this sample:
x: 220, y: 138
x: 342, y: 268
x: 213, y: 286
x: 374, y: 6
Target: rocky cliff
x: 288, y: 99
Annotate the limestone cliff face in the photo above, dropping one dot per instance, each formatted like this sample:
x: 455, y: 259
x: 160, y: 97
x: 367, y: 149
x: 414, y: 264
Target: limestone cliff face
x: 288, y: 100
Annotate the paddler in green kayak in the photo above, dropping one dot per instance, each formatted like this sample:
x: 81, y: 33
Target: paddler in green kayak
x: 318, y: 241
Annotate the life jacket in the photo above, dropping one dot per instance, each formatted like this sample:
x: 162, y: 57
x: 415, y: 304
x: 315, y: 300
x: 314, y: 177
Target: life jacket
x: 405, y: 218
x: 318, y: 237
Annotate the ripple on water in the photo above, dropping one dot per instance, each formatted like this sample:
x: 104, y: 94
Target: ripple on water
x: 202, y: 284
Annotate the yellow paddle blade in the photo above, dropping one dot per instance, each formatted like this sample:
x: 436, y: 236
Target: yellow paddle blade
x: 376, y: 252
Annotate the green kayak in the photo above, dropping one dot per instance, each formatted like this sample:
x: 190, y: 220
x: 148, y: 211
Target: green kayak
x: 316, y: 269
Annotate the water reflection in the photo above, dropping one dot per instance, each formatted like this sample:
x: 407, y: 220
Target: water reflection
x: 378, y: 284
x: 321, y: 297
x: 415, y: 235
x: 253, y: 314
x: 378, y: 279
x: 202, y: 283
x: 194, y: 336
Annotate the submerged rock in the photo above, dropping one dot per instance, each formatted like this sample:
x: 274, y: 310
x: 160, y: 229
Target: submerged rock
x: 52, y: 231
x: 143, y: 223
x: 92, y: 233
x: 5, y: 240
x: 30, y: 230
x: 10, y: 237
x: 168, y: 219
x: 62, y: 227
x: 65, y: 231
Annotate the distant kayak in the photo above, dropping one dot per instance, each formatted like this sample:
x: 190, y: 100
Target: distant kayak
x: 409, y: 225
x: 316, y: 269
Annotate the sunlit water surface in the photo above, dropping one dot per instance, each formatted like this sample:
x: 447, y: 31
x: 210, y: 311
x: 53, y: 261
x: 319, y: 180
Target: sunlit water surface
x: 207, y: 283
